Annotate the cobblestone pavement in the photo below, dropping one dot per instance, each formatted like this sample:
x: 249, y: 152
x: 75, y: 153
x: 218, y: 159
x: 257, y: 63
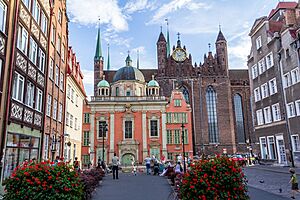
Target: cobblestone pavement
x: 258, y: 194
x: 129, y: 187
x: 274, y: 180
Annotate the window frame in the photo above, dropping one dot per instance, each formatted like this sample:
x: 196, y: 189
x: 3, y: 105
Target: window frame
x: 57, y: 75
x: 293, y: 143
x: 33, y: 51
x: 29, y: 100
x: 42, y: 60
x: 23, y: 37
x: 49, y: 105
x: 16, y: 95
x: 274, y: 113
x: 267, y: 115
x: 258, y: 42
x: 271, y: 91
x: 3, y: 6
x: 259, y: 117
x: 289, y: 113
x: 39, y: 100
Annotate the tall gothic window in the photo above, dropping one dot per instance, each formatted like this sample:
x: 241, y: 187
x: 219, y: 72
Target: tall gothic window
x: 211, y: 103
x: 185, y: 93
x: 239, y: 119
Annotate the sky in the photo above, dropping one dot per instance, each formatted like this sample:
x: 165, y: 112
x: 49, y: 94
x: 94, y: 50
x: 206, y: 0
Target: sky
x: 134, y: 25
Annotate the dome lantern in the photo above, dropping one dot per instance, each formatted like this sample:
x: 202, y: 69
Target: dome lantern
x: 103, y: 87
x: 153, y: 87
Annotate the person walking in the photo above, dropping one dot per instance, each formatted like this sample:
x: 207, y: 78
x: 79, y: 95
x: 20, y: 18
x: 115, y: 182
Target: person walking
x: 148, y: 164
x: 76, y: 164
x: 294, y: 182
x: 115, y: 166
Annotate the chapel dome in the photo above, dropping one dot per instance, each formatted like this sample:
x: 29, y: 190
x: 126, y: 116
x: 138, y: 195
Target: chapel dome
x: 129, y: 73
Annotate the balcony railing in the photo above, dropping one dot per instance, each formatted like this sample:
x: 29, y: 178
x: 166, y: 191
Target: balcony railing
x: 129, y: 98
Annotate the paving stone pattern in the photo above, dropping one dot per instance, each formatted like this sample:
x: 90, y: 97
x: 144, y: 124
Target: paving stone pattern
x: 129, y: 187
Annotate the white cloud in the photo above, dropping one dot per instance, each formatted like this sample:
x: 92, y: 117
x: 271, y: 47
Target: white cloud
x: 138, y: 6
x: 175, y: 5
x: 238, y: 53
x: 141, y: 50
x: 88, y: 77
x: 88, y: 13
x: 112, y: 37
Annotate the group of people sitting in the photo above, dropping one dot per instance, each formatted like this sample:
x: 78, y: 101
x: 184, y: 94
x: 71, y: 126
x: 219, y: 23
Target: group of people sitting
x: 163, y: 167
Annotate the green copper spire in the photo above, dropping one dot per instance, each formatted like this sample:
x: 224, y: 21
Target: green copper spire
x: 98, y: 54
x: 168, y: 39
x: 108, y: 59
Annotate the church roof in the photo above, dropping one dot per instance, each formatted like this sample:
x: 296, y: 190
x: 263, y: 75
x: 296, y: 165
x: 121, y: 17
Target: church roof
x: 161, y: 38
x: 220, y: 36
x: 98, y: 53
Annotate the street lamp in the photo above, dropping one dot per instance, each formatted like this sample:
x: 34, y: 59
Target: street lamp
x: 103, y: 128
x: 182, y: 138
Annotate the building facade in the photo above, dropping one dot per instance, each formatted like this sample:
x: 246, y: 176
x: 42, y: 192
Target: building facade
x: 274, y: 78
x: 74, y: 109
x: 8, y: 24
x: 26, y: 83
x: 219, y: 97
x: 56, y: 82
x: 138, y: 119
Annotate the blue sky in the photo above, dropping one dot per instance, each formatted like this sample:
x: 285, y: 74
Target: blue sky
x: 135, y: 25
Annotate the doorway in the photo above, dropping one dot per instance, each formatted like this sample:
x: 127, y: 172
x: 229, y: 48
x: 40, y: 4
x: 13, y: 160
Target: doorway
x: 281, y: 150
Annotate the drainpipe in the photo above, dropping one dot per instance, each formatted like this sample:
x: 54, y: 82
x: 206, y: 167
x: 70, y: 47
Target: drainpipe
x: 288, y: 128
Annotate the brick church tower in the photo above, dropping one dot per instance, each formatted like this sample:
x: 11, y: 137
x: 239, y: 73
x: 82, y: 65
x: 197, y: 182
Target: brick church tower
x: 98, y: 63
x: 222, y: 55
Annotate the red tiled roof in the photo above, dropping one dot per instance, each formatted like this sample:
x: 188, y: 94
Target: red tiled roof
x: 75, y: 71
x: 282, y: 5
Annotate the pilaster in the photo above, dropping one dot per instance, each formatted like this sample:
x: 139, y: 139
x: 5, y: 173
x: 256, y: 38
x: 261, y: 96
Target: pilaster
x: 163, y: 134
x: 144, y: 126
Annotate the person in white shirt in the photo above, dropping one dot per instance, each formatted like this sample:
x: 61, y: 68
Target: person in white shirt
x: 115, y: 167
x: 178, y: 168
x: 148, y: 163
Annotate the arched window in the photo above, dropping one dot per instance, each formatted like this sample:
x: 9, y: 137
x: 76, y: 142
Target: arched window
x: 103, y: 91
x: 153, y: 91
x: 106, y: 92
x: 239, y: 118
x: 185, y: 93
x: 117, y: 91
x: 211, y: 104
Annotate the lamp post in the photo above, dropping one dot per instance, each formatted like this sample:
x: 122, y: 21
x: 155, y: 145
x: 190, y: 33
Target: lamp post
x: 182, y: 138
x: 103, y: 129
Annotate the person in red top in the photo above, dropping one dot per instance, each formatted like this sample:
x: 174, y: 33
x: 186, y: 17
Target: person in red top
x: 76, y: 164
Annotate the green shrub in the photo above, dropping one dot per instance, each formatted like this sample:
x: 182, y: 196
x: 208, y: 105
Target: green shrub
x: 43, y: 181
x: 216, y: 179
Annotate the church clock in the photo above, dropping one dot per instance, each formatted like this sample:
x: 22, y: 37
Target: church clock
x: 179, y: 55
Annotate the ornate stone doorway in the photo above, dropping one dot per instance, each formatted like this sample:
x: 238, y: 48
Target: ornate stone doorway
x: 127, y: 159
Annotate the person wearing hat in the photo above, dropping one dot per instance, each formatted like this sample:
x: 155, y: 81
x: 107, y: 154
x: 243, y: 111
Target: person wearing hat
x: 294, y: 183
